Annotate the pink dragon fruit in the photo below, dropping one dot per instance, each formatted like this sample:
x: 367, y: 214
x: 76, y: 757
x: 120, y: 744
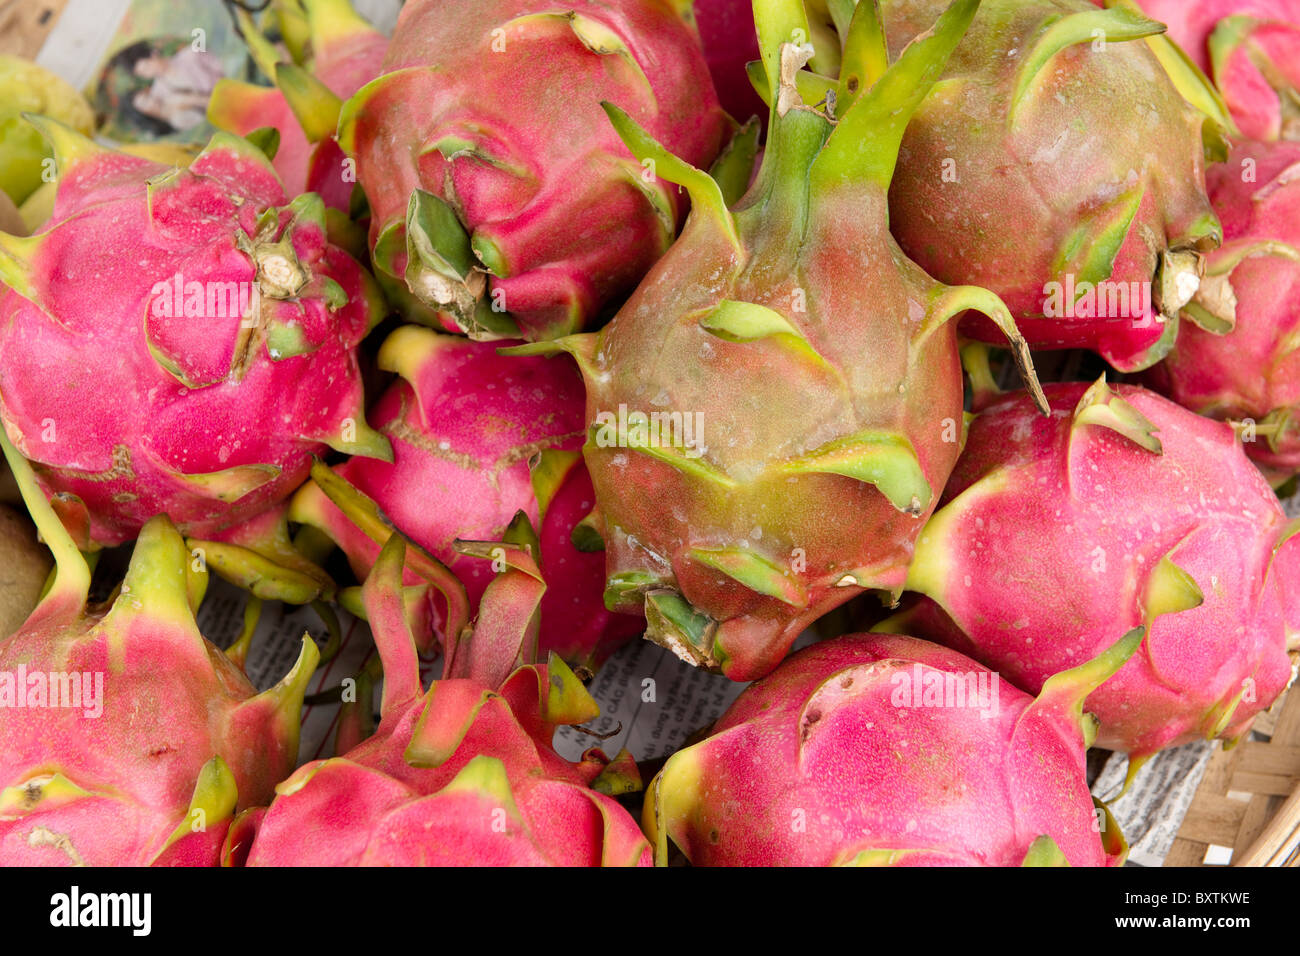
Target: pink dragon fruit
x: 477, y: 439
x: 1251, y: 48
x: 346, y: 53
x: 223, y: 326
x: 1238, y: 359
x: 884, y: 750
x: 1062, y: 171
x: 463, y: 774
x: 503, y: 203
x: 129, y: 740
x: 775, y: 410
x: 1120, y: 510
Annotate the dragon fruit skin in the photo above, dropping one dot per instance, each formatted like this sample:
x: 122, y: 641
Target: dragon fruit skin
x: 1120, y: 510
x: 823, y: 763
x: 1070, y: 205
x: 727, y: 34
x: 178, y: 741
x: 347, y: 53
x: 477, y: 438
x: 820, y: 366
x: 495, y: 182
x: 461, y: 775
x: 1249, y: 372
x: 183, y: 406
x: 1251, y: 48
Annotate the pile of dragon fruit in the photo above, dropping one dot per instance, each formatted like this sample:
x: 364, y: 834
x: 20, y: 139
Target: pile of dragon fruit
x: 533, y: 330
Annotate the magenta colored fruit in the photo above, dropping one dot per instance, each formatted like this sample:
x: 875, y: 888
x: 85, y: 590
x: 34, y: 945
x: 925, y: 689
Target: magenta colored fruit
x: 775, y: 410
x: 151, y: 768
x: 1238, y: 352
x: 478, y: 438
x: 503, y: 203
x: 1066, y: 177
x: 859, y: 751
x: 179, y: 342
x: 463, y: 774
x: 346, y: 53
x: 1121, y: 510
x: 1251, y: 48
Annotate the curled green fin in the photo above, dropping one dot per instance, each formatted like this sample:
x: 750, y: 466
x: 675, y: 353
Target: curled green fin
x: 1169, y: 590
x: 1111, y: 26
x: 864, y: 146
x: 1102, y: 407
x: 1044, y: 852
x: 213, y: 801
x: 884, y: 459
x: 755, y: 572
x: 314, y: 105
x: 706, y: 195
x: 1063, y: 694
x: 866, y: 55
x: 734, y: 167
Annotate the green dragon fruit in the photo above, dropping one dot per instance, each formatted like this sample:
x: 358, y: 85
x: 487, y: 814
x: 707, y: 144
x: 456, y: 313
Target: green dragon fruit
x: 303, y: 107
x: 223, y: 329
x: 1121, y: 510
x: 1058, y: 164
x: 774, y: 412
x: 26, y: 87
x: 463, y: 774
x: 477, y: 439
x: 1251, y: 48
x: 129, y: 739
x: 882, y: 750
x: 503, y: 204
x: 1239, y: 360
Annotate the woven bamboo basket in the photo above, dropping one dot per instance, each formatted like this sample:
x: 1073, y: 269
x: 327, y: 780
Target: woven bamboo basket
x: 1248, y: 802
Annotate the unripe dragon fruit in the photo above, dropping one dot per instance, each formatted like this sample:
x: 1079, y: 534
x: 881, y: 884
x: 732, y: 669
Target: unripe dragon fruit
x: 145, y: 739
x: 1251, y: 48
x: 1238, y: 359
x: 1120, y: 510
x: 303, y: 107
x: 884, y: 750
x: 463, y: 774
x: 179, y: 342
x: 503, y: 203
x: 477, y: 439
x: 802, y: 374
x: 1058, y: 164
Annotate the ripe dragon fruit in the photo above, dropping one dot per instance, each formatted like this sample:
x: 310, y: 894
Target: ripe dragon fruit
x: 802, y: 375
x: 478, y: 438
x: 503, y: 204
x: 463, y: 774
x: 303, y: 107
x: 884, y: 750
x: 224, y: 329
x: 1251, y: 48
x: 1239, y: 357
x: 129, y: 740
x: 1120, y: 510
x: 1062, y: 171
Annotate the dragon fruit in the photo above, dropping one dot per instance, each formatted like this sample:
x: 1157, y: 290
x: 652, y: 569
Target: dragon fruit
x: 463, y: 774
x: 224, y: 330
x: 1251, y: 48
x: 1057, y: 164
x: 884, y: 750
x: 776, y: 409
x: 1238, y: 358
x: 478, y: 438
x: 503, y: 205
x: 1120, y: 510
x: 303, y: 107
x: 129, y: 739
